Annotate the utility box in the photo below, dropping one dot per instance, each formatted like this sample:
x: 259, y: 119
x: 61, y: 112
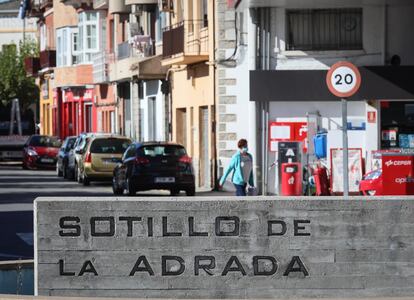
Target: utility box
x: 398, y: 174
x: 291, y: 179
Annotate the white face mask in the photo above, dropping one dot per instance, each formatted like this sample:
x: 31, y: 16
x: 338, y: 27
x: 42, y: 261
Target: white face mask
x: 244, y: 150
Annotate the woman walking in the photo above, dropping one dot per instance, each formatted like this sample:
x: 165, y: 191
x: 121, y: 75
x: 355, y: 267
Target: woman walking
x: 241, y: 165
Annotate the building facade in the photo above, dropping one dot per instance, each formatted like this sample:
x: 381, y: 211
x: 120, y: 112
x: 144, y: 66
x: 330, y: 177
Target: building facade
x: 188, y: 51
x: 279, y: 44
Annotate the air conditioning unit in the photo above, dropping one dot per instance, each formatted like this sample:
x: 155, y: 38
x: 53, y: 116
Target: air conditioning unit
x: 166, y: 5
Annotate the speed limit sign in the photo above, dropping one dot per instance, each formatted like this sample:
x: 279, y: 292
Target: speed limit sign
x: 343, y: 79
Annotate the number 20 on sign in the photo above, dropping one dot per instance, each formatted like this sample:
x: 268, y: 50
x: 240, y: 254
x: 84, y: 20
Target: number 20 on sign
x: 343, y: 79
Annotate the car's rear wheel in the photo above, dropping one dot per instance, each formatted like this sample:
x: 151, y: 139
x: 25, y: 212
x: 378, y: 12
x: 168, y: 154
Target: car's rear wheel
x: 65, y: 171
x: 78, y: 176
x: 116, y: 188
x: 190, y: 191
x: 132, y: 191
x: 59, y: 173
x: 174, y: 192
x: 85, y: 180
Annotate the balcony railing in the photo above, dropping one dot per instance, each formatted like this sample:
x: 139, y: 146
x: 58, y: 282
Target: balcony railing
x: 137, y: 46
x: 46, y: 3
x: 100, y: 4
x: 31, y: 65
x: 47, y: 59
x: 101, y: 63
x: 187, y: 38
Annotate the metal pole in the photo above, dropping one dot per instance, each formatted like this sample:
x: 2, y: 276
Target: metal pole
x: 345, y: 146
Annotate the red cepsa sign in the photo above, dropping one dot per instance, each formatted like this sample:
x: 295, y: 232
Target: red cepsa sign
x: 398, y: 174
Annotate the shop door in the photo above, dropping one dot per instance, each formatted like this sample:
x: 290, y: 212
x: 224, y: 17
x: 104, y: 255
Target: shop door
x: 88, y: 118
x: 152, y: 119
x: 204, y: 159
x: 112, y: 122
x: 181, y: 123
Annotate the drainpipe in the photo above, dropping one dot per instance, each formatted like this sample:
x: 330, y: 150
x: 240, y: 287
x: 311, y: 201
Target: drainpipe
x: 213, y: 115
x: 254, y: 145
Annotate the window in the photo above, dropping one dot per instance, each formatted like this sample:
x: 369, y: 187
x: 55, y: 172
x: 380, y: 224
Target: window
x: 204, y: 12
x: 162, y: 151
x: 109, y: 145
x: 324, y: 29
x: 87, y: 38
x: 61, y: 47
x: 43, y: 37
x: 75, y: 45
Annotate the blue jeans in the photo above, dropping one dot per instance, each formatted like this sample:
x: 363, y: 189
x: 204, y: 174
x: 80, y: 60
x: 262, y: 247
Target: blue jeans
x: 240, y: 189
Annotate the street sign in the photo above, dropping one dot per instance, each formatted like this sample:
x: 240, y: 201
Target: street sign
x: 343, y: 79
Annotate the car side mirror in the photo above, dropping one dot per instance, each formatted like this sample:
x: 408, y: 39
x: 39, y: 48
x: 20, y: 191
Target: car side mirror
x: 79, y: 151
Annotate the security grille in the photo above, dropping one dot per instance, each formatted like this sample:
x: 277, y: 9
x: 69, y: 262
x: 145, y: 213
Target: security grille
x: 324, y: 29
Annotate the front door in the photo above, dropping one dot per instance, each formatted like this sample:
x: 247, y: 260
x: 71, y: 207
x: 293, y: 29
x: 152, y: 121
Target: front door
x: 204, y: 172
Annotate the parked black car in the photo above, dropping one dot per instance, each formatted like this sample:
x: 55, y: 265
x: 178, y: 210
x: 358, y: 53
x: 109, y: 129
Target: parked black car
x: 62, y: 168
x: 154, y: 165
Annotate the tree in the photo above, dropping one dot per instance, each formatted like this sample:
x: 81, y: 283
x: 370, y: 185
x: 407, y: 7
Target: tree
x: 14, y: 83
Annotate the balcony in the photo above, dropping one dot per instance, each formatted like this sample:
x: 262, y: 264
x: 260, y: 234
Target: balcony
x: 47, y: 59
x: 186, y: 43
x: 140, y: 2
x: 100, y: 4
x: 138, y: 48
x: 100, y: 69
x: 117, y: 7
x: 31, y: 65
x: 45, y: 3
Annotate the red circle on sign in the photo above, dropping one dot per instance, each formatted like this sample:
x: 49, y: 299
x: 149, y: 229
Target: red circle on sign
x: 331, y: 72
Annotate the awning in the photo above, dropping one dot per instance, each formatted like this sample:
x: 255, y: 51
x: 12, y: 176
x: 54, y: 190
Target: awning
x: 378, y: 82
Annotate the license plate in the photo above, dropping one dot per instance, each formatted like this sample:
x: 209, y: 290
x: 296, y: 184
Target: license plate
x: 164, y: 180
x: 47, y: 160
x: 12, y: 154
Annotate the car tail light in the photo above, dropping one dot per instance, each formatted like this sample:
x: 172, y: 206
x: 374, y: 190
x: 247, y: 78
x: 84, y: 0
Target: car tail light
x: 88, y: 157
x: 141, y: 161
x: 185, y: 159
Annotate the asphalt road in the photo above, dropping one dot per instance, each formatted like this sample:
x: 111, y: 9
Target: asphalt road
x: 19, y: 188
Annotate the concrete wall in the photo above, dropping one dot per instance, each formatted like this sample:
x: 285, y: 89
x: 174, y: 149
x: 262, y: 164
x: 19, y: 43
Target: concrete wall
x: 329, y: 247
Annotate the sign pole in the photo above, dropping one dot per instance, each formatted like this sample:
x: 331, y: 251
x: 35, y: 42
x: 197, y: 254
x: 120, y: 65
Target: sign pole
x: 344, y: 80
x: 345, y: 145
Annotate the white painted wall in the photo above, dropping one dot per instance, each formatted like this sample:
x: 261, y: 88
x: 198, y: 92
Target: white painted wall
x: 399, y: 39
x: 152, y: 88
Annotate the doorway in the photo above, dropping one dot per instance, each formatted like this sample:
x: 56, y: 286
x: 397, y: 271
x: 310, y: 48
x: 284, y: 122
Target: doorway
x: 181, y: 137
x: 204, y: 173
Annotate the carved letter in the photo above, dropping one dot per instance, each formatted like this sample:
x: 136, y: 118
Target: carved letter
x: 270, y: 224
x: 145, y: 268
x: 256, y: 270
x: 291, y: 267
x: 76, y: 229
x: 130, y: 223
x: 110, y: 232
x: 62, y: 269
x: 236, y: 230
x: 296, y: 227
x: 88, y: 268
x: 191, y: 228
x: 237, y: 268
x: 166, y: 272
x: 165, y: 228
x: 205, y: 267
